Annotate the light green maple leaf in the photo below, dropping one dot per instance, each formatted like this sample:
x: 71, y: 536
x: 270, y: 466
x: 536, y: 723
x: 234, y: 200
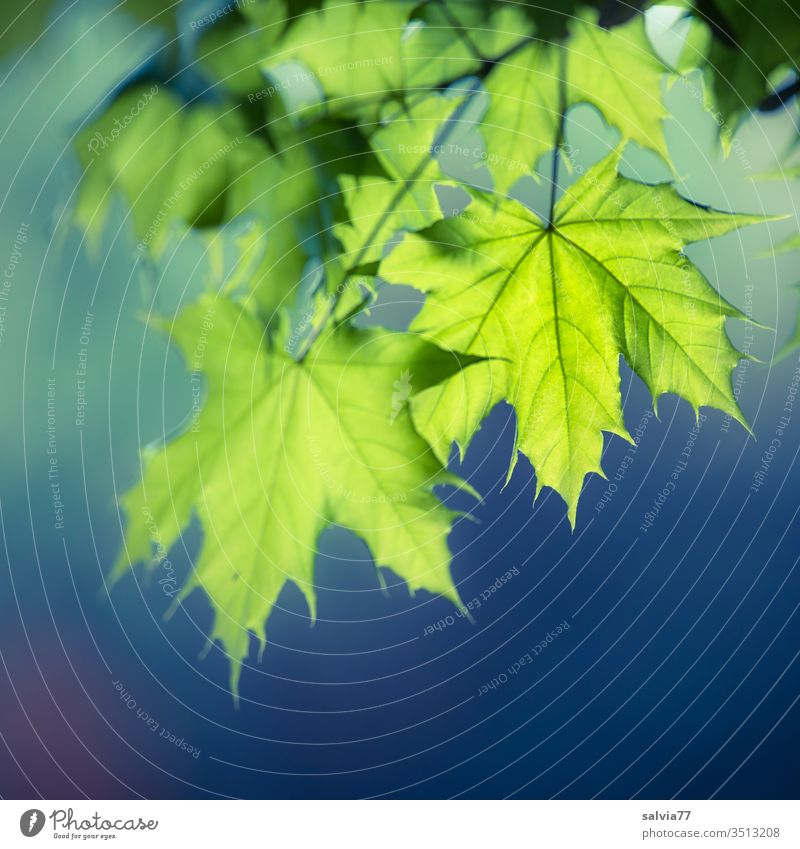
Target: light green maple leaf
x: 180, y: 167
x: 618, y: 72
x: 555, y: 306
x: 281, y: 450
x: 349, y: 59
x: 171, y: 163
x: 615, y: 70
x: 352, y: 49
x: 522, y: 120
x: 30, y: 19
x: 286, y: 192
x: 405, y: 198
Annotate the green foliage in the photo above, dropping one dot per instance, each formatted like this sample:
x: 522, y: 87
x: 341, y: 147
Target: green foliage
x: 618, y: 73
x: 282, y: 449
x: 403, y: 197
x: 29, y: 20
x: 614, y: 70
x: 361, y: 55
x: 754, y: 47
x: 327, y: 136
x: 231, y: 51
x: 167, y: 160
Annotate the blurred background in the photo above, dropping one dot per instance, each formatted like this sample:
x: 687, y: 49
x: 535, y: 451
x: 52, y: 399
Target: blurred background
x: 671, y: 666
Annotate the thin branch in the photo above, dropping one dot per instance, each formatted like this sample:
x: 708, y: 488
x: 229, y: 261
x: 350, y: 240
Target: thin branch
x: 406, y: 186
x: 408, y: 183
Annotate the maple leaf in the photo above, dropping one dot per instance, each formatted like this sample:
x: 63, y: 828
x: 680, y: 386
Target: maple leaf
x: 180, y: 168
x: 615, y: 70
x: 554, y: 306
x: 232, y: 50
x: 524, y: 111
x: 618, y: 72
x: 171, y: 163
x: 282, y: 449
x: 349, y: 59
x: 791, y: 344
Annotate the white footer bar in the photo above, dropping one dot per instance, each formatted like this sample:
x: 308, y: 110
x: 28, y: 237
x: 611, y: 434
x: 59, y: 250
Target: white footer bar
x: 403, y: 824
